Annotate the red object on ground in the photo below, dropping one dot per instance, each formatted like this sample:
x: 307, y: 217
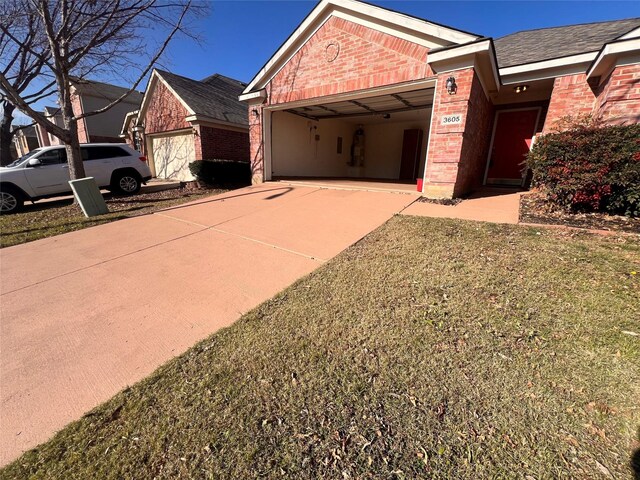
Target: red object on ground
x: 419, y: 185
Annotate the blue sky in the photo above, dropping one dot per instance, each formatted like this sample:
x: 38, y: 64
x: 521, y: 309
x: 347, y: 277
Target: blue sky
x: 240, y: 36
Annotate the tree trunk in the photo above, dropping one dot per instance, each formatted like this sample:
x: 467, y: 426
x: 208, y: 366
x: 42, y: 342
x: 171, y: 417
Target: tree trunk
x: 6, y: 135
x: 74, y: 156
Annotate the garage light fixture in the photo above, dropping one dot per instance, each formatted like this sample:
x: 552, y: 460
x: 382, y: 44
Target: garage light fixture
x: 452, y: 88
x: 521, y: 88
x: 255, y: 112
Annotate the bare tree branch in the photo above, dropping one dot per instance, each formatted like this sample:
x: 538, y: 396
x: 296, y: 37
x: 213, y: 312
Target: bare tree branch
x: 68, y: 40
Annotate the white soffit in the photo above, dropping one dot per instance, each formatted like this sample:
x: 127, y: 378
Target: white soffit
x: 609, y: 55
x: 547, y: 68
x: 397, y: 24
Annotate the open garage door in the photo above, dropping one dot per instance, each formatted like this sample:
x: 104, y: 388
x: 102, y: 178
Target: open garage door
x: 172, y: 155
x: 380, y: 137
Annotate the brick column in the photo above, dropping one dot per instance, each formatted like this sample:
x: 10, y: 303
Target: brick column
x: 457, y: 152
x: 256, y: 141
x: 197, y: 143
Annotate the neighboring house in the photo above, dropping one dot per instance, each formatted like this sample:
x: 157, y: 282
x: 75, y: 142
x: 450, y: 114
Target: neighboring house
x: 24, y: 139
x: 46, y: 139
x: 88, y: 96
x: 361, y: 91
x: 181, y: 120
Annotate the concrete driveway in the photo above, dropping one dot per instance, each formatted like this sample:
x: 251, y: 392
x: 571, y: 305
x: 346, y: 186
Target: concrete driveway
x: 85, y: 314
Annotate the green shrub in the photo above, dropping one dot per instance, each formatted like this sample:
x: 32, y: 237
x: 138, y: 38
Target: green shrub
x: 228, y: 173
x: 590, y: 167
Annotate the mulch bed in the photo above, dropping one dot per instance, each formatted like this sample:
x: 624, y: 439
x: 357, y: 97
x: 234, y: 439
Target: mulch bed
x: 535, y: 208
x: 441, y: 201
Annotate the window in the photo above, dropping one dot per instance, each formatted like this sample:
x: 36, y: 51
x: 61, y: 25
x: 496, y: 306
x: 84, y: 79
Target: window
x: 99, y: 153
x: 53, y: 157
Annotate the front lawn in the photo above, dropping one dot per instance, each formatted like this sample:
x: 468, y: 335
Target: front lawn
x: 53, y: 217
x: 431, y: 349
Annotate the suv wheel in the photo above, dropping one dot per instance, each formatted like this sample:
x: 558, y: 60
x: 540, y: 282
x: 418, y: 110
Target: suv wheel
x: 10, y: 200
x: 126, y: 182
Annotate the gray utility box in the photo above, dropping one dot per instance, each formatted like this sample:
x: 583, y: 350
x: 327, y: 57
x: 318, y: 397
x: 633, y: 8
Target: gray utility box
x: 89, y: 197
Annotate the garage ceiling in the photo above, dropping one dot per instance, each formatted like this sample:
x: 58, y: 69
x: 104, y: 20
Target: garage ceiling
x: 390, y: 103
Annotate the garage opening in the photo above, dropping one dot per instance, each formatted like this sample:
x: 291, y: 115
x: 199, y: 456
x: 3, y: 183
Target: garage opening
x: 381, y: 139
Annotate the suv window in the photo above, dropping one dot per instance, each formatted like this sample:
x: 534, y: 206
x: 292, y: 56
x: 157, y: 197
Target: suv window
x: 53, y: 157
x: 98, y: 153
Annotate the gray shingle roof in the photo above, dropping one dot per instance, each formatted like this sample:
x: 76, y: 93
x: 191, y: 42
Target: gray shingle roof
x: 547, y: 43
x: 214, y: 97
x: 105, y: 90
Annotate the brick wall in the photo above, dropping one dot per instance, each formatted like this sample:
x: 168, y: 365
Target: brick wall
x: 217, y: 143
x: 571, y: 95
x: 364, y: 58
x: 341, y: 57
x: 83, y: 134
x: 165, y: 112
x: 615, y: 100
x: 476, y: 140
x: 449, y: 142
x: 619, y: 98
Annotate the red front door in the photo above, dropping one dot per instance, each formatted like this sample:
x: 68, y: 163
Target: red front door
x: 511, y: 142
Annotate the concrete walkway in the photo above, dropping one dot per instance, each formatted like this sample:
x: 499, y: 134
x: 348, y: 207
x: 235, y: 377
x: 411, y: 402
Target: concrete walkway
x: 489, y: 205
x: 87, y: 313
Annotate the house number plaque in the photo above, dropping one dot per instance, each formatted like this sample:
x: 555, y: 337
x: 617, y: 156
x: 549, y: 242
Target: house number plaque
x: 451, y: 119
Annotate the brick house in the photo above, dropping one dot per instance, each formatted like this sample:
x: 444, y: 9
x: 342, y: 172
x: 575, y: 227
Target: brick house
x: 88, y: 96
x: 181, y: 120
x: 24, y: 140
x: 361, y: 91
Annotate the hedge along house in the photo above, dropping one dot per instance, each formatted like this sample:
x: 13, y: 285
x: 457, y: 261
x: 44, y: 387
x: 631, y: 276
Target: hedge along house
x: 359, y: 91
x: 181, y: 120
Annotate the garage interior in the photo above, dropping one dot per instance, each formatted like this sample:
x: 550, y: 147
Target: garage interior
x: 380, y: 139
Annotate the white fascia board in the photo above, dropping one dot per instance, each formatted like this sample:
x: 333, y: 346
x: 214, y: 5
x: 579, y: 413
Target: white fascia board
x: 547, y: 64
x: 394, y: 30
x: 127, y: 119
x: 148, y: 92
x: 253, y: 96
x: 544, y: 74
x: 632, y: 34
x: 354, y: 10
x: 607, y: 57
x: 198, y: 119
x: 457, y: 52
x: 421, y: 27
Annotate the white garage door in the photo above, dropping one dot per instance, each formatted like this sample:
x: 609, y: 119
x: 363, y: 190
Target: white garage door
x: 172, y: 155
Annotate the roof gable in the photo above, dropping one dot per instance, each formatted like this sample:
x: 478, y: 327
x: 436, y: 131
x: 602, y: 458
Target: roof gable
x: 216, y: 97
x: 532, y: 46
x: 421, y: 32
x: 105, y: 90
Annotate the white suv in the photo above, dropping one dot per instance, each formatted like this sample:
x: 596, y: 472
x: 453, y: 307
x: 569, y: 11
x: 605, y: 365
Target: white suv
x: 44, y: 172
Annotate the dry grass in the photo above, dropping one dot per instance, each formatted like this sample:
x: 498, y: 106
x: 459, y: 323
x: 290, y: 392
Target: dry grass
x: 431, y: 349
x: 46, y: 219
